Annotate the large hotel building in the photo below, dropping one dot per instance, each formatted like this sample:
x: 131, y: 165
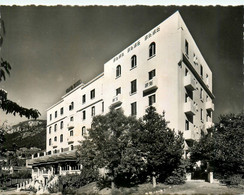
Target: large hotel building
x: 163, y: 68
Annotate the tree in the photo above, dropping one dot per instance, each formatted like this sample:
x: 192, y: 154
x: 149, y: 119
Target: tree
x: 223, y: 148
x: 161, y: 147
x: 131, y: 150
x: 110, y: 146
x: 5, y: 104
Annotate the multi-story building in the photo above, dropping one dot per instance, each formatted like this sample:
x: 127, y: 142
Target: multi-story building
x: 163, y: 68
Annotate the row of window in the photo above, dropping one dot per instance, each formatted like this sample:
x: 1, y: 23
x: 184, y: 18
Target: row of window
x: 71, y: 133
x: 93, y: 112
x: 152, y: 52
x: 133, y: 83
x: 71, y: 106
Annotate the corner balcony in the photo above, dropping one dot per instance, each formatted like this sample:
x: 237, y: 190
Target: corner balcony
x: 209, y: 106
x: 189, y: 82
x: 71, y: 139
x: 117, y: 100
x: 189, y: 107
x: 54, y: 145
x: 150, y: 85
x: 70, y: 125
x: 192, y: 134
x: 208, y: 125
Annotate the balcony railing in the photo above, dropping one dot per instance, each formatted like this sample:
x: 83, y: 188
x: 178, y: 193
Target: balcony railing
x: 209, y: 106
x: 208, y: 125
x: 189, y: 107
x: 193, y: 133
x: 117, y: 100
x: 70, y: 139
x: 150, y: 85
x: 189, y: 82
x: 70, y: 125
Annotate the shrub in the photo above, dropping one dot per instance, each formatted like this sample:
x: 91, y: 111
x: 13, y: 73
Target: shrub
x: 177, y: 177
x: 233, y: 179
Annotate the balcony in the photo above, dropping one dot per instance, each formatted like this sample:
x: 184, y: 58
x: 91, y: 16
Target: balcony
x: 208, y: 125
x: 189, y: 107
x: 70, y: 125
x: 150, y: 85
x: 117, y: 100
x: 189, y: 82
x: 192, y: 134
x: 71, y: 139
x: 209, y: 106
x: 54, y: 145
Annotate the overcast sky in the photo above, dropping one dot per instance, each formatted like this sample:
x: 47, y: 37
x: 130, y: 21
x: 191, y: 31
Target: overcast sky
x: 49, y: 48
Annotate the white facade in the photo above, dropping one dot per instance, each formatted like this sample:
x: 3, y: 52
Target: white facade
x: 168, y: 71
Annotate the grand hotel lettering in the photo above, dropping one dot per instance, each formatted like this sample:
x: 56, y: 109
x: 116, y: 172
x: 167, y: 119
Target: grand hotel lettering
x: 136, y: 44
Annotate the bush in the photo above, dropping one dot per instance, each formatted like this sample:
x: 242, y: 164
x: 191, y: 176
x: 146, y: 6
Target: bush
x: 68, y: 184
x: 177, y: 177
x: 233, y: 179
x: 103, y: 182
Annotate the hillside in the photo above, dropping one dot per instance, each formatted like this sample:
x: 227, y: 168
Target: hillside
x: 31, y: 133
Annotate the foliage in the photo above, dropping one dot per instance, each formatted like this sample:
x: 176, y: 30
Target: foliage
x: 68, y: 184
x: 110, y: 145
x: 131, y: 149
x: 177, y: 177
x: 161, y: 147
x: 4, y: 68
x: 22, y: 174
x: 5, y: 104
x: 223, y: 148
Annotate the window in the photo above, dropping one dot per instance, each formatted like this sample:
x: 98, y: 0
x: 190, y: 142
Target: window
x: 118, y: 71
x: 207, y: 80
x: 84, y: 115
x: 50, y: 142
x: 187, y: 125
x: 152, y: 49
x: 61, y: 124
x: 186, y: 97
x: 133, y: 86
x: 71, y: 147
x: 56, y: 114
x: 102, y: 106
x: 84, y: 99
x: 133, y: 109
x: 151, y: 74
x: 186, y: 48
x: 201, y: 114
x: 55, y: 127
x: 71, y: 118
x: 83, y: 130
x: 152, y: 99
x: 71, y: 133
x: 50, y: 117
x: 118, y: 91
x: 92, y: 93
x: 61, y: 111
x: 93, y: 111
x: 201, y: 71
x: 186, y: 72
x: 50, y: 130
x: 71, y: 106
x: 55, y: 138
x: 133, y: 61
x: 61, y: 138
x: 201, y: 94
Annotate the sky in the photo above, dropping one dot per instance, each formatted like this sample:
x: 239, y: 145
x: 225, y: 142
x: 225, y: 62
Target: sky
x: 50, y: 48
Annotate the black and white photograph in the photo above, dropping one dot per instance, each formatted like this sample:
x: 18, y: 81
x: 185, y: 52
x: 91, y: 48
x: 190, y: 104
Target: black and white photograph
x: 121, y: 98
